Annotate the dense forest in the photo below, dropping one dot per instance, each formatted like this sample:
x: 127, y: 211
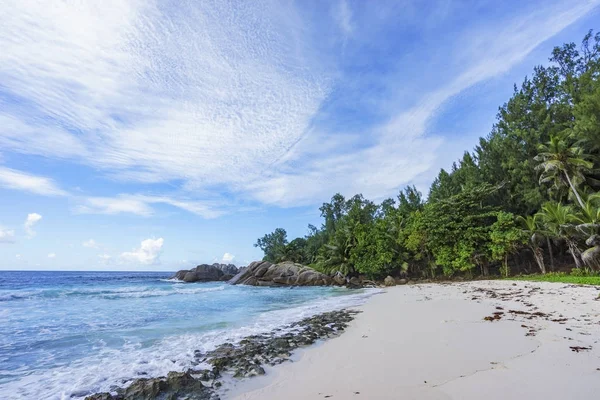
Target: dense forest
x: 525, y: 200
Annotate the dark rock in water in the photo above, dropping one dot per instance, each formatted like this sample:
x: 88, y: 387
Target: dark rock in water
x: 177, y: 385
x: 247, y: 357
x: 242, y: 360
x: 103, y: 396
x: 264, y: 273
x: 207, y: 273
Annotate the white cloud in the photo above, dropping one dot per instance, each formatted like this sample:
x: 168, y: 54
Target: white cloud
x: 227, y: 258
x: 402, y: 150
x: 343, y: 16
x: 92, y: 244
x: 209, y: 95
x: 141, y: 205
x: 114, y: 205
x: 18, y: 256
x: 7, y: 235
x: 222, y: 98
x: 148, y: 253
x: 30, y: 222
x: 13, y: 179
x: 52, y: 255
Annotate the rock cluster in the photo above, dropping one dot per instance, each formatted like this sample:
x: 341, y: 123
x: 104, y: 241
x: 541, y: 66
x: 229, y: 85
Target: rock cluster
x: 248, y: 357
x: 244, y: 359
x: 207, y: 273
x: 264, y: 273
x: 176, y: 385
x: 389, y: 281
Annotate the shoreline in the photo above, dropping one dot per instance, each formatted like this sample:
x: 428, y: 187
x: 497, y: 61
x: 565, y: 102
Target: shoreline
x: 468, y: 340
x: 234, y: 361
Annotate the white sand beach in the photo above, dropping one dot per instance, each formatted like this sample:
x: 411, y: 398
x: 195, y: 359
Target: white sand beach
x: 431, y: 342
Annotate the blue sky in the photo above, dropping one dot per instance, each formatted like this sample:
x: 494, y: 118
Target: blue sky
x: 142, y: 135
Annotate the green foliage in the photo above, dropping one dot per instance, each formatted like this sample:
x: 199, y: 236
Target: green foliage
x: 540, y: 162
x: 458, y: 229
x: 505, y: 239
x: 560, y: 277
x: 273, y: 245
x: 584, y: 272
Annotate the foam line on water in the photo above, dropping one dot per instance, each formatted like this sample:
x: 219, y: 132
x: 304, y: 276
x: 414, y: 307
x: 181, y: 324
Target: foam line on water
x: 123, y: 292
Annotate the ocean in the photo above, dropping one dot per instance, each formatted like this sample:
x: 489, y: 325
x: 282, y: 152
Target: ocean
x: 64, y: 335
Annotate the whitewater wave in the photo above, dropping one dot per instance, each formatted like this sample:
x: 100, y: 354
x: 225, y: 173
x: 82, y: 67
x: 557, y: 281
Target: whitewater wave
x: 118, y: 366
x: 107, y: 293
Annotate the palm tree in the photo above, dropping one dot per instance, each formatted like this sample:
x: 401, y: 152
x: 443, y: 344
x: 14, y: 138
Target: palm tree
x: 559, y: 222
x: 335, y: 255
x: 588, y: 218
x: 531, y: 226
x: 589, y: 224
x: 561, y: 161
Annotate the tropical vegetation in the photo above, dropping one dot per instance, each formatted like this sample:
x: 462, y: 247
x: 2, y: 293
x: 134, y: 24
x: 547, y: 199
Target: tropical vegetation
x: 525, y: 200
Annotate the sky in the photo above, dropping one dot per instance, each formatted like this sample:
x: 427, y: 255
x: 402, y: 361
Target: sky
x: 157, y: 135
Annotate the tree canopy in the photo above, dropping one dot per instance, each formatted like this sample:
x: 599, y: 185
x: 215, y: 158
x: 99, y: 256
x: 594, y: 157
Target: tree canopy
x: 527, y: 193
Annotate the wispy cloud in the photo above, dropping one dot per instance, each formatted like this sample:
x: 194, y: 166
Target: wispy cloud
x: 31, y: 220
x: 52, y: 255
x: 7, y: 235
x: 228, y: 98
x: 402, y: 149
x: 13, y: 179
x: 114, y: 205
x: 208, y: 95
x: 141, y: 205
x: 92, y: 244
x: 147, y: 254
x: 343, y: 16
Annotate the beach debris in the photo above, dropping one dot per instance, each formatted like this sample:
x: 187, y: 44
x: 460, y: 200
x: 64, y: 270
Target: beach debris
x: 577, y: 349
x: 530, y: 315
x: 494, y: 317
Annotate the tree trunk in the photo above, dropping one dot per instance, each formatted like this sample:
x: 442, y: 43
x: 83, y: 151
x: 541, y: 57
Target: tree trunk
x: 550, y: 252
x: 574, y: 191
x: 574, y: 252
x: 538, y: 255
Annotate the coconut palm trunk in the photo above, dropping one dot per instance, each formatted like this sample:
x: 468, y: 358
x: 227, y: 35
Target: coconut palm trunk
x: 538, y: 255
x: 550, y: 252
x: 575, y: 252
x: 575, y: 192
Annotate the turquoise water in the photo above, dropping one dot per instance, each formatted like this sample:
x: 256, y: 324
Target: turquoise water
x: 64, y: 335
